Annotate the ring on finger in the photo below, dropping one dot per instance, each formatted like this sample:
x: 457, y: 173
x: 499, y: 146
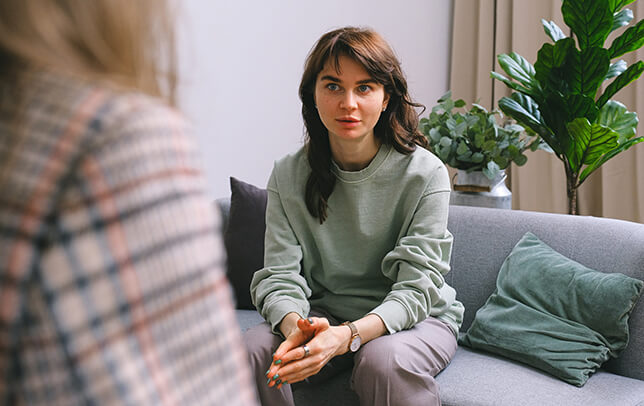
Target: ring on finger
x: 307, y: 352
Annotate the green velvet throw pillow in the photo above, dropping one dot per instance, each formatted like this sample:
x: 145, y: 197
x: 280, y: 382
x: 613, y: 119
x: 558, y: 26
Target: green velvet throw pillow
x: 554, y: 314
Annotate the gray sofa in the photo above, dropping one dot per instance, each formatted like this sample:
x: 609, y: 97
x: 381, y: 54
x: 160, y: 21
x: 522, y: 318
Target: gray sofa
x: 482, y: 239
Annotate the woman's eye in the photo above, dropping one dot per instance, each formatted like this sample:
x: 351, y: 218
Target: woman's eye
x: 332, y: 87
x: 364, y: 88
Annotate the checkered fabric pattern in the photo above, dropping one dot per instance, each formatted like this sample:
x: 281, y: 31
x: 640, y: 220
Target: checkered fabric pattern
x: 112, y: 289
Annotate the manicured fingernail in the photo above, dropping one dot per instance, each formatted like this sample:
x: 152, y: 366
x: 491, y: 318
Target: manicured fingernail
x: 267, y: 371
x: 268, y: 381
x: 277, y: 362
x: 285, y: 383
x: 310, y: 320
x: 279, y: 381
x: 276, y: 376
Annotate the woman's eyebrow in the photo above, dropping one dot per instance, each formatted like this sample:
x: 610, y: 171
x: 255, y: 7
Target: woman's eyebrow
x: 337, y: 80
x: 330, y: 78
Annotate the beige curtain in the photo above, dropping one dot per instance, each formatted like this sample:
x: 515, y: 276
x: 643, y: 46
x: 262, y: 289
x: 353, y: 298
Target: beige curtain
x: 483, y: 29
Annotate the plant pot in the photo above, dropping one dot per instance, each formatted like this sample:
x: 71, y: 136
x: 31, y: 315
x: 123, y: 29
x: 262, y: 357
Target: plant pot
x: 475, y: 189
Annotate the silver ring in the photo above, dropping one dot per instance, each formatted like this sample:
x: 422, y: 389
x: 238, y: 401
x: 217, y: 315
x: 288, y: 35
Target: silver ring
x: 306, y: 350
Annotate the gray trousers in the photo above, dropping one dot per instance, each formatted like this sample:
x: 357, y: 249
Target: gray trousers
x: 396, y: 369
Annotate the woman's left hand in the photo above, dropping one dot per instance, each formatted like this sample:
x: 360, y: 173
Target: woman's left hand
x: 296, y: 366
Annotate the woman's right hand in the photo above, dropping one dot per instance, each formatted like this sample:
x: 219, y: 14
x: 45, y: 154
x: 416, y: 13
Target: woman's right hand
x: 297, y: 335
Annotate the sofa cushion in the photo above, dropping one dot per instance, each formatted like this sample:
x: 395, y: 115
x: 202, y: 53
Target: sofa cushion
x: 244, y: 238
x: 554, y: 313
x: 483, y: 379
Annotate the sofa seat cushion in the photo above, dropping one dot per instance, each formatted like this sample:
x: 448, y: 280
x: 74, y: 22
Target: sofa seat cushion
x: 248, y: 318
x: 476, y: 378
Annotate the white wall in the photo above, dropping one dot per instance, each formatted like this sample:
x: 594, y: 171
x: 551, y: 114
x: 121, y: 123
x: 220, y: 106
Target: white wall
x: 241, y: 63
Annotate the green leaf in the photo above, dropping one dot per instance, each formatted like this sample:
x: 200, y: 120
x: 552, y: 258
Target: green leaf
x: 590, y: 21
x: 521, y: 160
x: 512, y: 85
x: 435, y: 135
x: 446, y: 96
x: 632, y: 73
x: 489, y: 145
x: 630, y: 40
x: 477, y: 157
x: 518, y: 68
x: 462, y: 148
x: 610, y: 154
x: 550, y: 59
x: 459, y: 103
x: 491, y: 170
x: 587, y: 70
x: 615, y: 116
x: 579, y: 105
x: 523, y: 111
x: 555, y: 113
x: 616, y: 5
x: 590, y: 141
x: 446, y: 142
x: 621, y: 18
x: 615, y: 69
x: 552, y: 30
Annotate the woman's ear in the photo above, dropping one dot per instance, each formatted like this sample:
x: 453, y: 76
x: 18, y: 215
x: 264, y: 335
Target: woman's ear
x: 385, y: 102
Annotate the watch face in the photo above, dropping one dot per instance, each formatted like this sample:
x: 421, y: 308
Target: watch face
x: 355, y: 344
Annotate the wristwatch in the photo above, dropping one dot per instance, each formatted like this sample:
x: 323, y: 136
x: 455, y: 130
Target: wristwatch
x: 356, y: 340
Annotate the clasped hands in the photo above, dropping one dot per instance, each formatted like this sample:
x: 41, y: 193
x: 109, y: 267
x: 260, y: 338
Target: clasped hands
x: 291, y: 363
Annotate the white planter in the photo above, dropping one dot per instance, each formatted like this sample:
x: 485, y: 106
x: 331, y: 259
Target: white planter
x: 475, y: 189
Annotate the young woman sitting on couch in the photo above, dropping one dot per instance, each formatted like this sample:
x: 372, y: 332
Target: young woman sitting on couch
x: 357, y: 244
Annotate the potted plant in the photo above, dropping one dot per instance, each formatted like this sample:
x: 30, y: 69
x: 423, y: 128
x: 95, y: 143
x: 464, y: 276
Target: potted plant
x: 472, y: 142
x: 561, y: 99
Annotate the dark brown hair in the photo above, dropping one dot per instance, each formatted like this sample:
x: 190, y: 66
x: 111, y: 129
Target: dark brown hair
x: 397, y: 126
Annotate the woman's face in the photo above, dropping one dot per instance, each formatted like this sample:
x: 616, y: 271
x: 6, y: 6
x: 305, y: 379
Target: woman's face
x: 350, y: 101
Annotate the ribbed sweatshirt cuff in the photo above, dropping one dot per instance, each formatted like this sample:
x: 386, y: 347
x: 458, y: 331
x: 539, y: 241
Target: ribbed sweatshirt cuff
x: 276, y: 312
x: 393, y: 314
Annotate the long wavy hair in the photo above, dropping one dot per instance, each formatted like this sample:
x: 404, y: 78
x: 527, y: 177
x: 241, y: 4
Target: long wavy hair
x: 397, y: 126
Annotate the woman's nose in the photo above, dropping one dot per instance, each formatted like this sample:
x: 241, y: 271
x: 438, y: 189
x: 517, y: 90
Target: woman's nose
x: 349, y: 101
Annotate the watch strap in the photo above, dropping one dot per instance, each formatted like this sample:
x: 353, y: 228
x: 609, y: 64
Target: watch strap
x: 354, y: 333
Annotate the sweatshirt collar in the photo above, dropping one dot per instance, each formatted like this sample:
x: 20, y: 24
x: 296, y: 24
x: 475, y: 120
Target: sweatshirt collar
x: 365, y: 173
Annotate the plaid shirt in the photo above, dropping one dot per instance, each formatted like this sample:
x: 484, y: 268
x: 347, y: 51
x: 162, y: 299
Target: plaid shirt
x: 112, y: 288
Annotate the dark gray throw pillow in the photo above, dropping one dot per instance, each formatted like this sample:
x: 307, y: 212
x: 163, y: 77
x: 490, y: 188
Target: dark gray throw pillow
x: 554, y: 314
x: 244, y: 238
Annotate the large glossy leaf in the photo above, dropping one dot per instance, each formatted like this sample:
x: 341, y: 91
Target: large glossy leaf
x: 555, y: 113
x: 590, y: 21
x: 632, y: 73
x: 615, y: 116
x: 615, y: 69
x: 526, y: 113
x: 587, y: 69
x: 630, y: 40
x: 550, y: 60
x: 512, y: 85
x: 590, y: 141
x: 553, y: 30
x: 610, y: 154
x: 622, y: 18
x: 579, y: 105
x: 616, y: 5
x: 518, y: 68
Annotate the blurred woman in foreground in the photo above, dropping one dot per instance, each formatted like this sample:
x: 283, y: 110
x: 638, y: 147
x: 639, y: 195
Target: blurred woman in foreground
x: 111, y: 281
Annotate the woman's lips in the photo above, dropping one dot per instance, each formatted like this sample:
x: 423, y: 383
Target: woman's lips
x: 348, y: 122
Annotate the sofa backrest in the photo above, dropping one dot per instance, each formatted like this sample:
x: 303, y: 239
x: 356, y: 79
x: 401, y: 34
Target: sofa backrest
x: 484, y: 237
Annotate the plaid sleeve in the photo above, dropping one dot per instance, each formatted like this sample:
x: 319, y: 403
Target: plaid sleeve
x: 131, y: 304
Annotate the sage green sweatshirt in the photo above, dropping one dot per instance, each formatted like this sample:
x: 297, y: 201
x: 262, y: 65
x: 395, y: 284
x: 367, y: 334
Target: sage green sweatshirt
x: 384, y: 248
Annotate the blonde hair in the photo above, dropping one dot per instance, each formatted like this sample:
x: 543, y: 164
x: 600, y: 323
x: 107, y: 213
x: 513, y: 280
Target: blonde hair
x: 125, y: 43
